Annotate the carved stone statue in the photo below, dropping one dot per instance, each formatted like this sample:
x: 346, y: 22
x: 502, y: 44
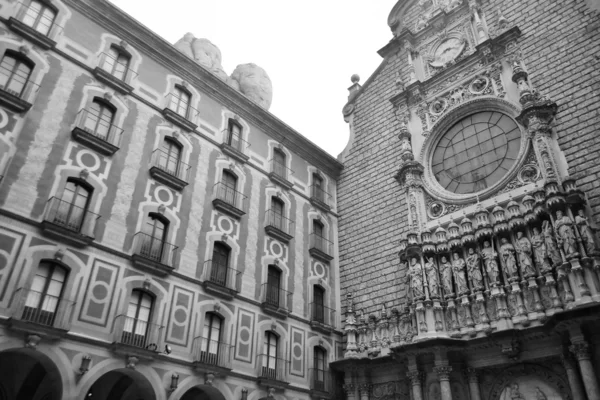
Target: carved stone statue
x: 540, y: 250
x: 458, y: 267
x: 586, y: 232
x: 433, y: 279
x: 203, y: 52
x: 551, y: 243
x: 491, y: 264
x: 565, y: 234
x: 416, y: 279
x: 507, y: 251
x: 524, y: 250
x: 446, y: 271
x: 474, y: 269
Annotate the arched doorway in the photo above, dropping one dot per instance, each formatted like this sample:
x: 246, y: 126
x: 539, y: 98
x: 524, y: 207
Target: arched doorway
x: 121, y: 384
x: 203, y: 392
x: 27, y: 374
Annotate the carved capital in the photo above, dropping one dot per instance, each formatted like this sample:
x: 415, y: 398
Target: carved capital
x: 415, y: 377
x: 364, y: 388
x: 472, y: 375
x: 511, y: 349
x: 581, y: 351
x: 443, y: 372
x: 349, y: 388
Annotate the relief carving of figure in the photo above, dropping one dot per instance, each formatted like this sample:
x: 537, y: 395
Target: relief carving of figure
x: 474, y: 269
x: 525, y: 253
x: 565, y: 234
x: 507, y: 251
x: 458, y: 267
x: 540, y: 250
x: 586, y: 232
x: 551, y: 244
x: 446, y: 270
x: 416, y: 279
x: 491, y: 263
x: 433, y: 279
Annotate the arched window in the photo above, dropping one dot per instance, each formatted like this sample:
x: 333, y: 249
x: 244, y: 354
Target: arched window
x: 99, y: 118
x: 234, y: 134
x: 273, y: 285
x: 170, y: 156
x: 228, y: 187
x: 279, y: 167
x: 318, y: 187
x: 277, y: 213
x: 155, y: 233
x: 139, y: 311
x: 117, y: 62
x: 318, y: 304
x: 319, y: 368
x: 180, y: 101
x: 45, y: 294
x: 270, y: 350
x: 319, y: 233
x: 211, y: 338
x: 73, y: 205
x: 220, y: 263
x: 40, y: 16
x: 15, y: 71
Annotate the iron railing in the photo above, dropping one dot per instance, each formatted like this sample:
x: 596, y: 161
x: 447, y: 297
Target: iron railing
x: 278, y: 221
x: 95, y: 125
x: 136, y: 332
x: 17, y: 85
x: 212, y: 352
x: 235, y: 141
x: 71, y: 217
x: 318, y: 242
x: 322, y: 314
x: 173, y: 103
x: 276, y: 297
x: 170, y: 164
x: 229, y: 195
x: 119, y: 70
x: 153, y: 248
x: 320, y: 380
x: 43, y: 24
x: 221, y: 275
x: 319, y: 194
x: 280, y: 170
x: 270, y: 367
x: 42, y: 308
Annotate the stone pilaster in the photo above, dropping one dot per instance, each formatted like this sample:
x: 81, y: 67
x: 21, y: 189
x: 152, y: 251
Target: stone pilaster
x: 581, y: 351
x: 443, y: 374
x: 473, y: 379
x: 573, y: 376
x: 415, y: 380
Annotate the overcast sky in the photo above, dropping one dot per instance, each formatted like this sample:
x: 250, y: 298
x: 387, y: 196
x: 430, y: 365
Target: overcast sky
x: 309, y: 49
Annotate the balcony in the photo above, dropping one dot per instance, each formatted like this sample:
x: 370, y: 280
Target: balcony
x: 115, y: 74
x: 35, y: 313
x: 16, y: 92
x: 276, y: 301
x: 320, y: 198
x: 321, y: 318
x: 212, y: 356
x: 234, y: 146
x: 153, y: 254
x: 279, y: 227
x: 95, y: 133
x: 220, y: 280
x: 321, y: 383
x: 169, y: 170
x: 41, y: 33
x: 135, y: 337
x: 67, y: 221
x: 229, y: 201
x: 272, y: 371
x: 320, y: 248
x: 280, y: 174
x: 182, y: 118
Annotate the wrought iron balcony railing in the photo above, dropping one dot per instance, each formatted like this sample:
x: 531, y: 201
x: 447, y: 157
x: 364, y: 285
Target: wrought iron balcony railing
x: 42, y: 309
x: 221, y: 275
x: 230, y: 196
x: 280, y: 173
x: 138, y: 333
x: 279, y: 226
x: 154, y: 249
x: 274, y: 297
x: 321, y: 314
x: 170, y: 165
x: 212, y: 353
x: 18, y: 90
x: 71, y: 217
x: 320, y: 380
x: 39, y: 27
x: 235, y: 141
x: 320, y: 243
x: 320, y: 196
x: 116, y: 68
x: 96, y: 131
x: 272, y: 368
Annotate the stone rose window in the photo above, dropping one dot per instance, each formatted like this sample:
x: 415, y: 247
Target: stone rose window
x: 476, y: 152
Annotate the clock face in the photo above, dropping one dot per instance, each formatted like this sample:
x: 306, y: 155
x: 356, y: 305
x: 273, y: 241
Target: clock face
x: 476, y: 152
x: 447, y: 51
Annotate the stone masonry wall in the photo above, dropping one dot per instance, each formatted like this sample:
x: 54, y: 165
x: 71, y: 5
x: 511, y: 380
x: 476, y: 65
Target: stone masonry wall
x: 560, y: 46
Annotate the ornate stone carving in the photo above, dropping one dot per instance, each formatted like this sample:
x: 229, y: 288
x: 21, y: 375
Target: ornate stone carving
x: 525, y: 253
x: 507, y: 251
x: 491, y: 264
x: 565, y: 234
x: 458, y: 268
x: 586, y: 232
x: 581, y: 350
x: 474, y: 269
x: 416, y: 279
x: 443, y: 372
x: 432, y: 273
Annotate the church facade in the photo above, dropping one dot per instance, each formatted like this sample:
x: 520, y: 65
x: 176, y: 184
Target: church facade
x: 469, y: 203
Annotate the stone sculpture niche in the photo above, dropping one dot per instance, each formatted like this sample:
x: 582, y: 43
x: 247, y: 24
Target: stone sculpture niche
x: 250, y: 79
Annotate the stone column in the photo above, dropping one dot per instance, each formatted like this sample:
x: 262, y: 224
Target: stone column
x: 573, y: 377
x: 364, y: 389
x: 415, y: 380
x: 443, y: 373
x: 350, y: 388
x: 473, y: 379
x: 582, y: 353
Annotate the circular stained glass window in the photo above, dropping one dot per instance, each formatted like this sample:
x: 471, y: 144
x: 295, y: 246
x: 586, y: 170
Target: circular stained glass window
x: 476, y: 152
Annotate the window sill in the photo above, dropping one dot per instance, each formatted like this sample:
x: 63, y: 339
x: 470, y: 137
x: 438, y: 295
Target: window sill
x: 178, y: 120
x: 59, y: 232
x: 168, y: 179
x: 235, y: 153
x: 321, y: 327
x: 228, y: 209
x: 205, y: 368
x: 31, y: 34
x: 280, y: 180
x: 219, y: 290
x: 278, y: 234
x: 272, y: 383
x: 129, y: 350
x: 108, y: 79
x: 320, y: 254
x: 87, y: 139
x: 31, y: 328
x: 315, y: 201
x: 13, y: 102
x: 320, y: 394
x: 275, y: 311
x: 152, y: 266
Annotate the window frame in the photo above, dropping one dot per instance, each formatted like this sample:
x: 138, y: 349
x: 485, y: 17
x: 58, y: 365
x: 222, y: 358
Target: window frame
x: 20, y: 59
x: 39, y: 308
x: 44, y: 5
x: 103, y: 105
x: 152, y: 298
x: 220, y: 272
x: 181, y: 90
x: 280, y: 167
x: 80, y: 185
x: 212, y: 353
x: 165, y: 154
x: 269, y: 339
x: 274, y: 291
x: 319, y: 354
x: 230, y: 132
x: 151, y: 238
x: 120, y: 53
x: 319, y: 306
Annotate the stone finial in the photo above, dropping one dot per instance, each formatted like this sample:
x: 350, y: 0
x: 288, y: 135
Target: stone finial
x: 355, y: 87
x: 349, y: 303
x: 355, y: 78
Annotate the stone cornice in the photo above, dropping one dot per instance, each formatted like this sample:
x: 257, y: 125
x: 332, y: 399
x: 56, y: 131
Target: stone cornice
x: 126, y: 28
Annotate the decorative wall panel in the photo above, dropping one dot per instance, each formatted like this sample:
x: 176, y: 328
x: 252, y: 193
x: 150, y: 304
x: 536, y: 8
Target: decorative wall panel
x: 245, y: 327
x: 297, y: 352
x: 10, y: 246
x: 179, y: 320
x: 99, y: 293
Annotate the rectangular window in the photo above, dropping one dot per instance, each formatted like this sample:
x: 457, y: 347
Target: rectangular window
x: 39, y: 17
x: 273, y: 286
